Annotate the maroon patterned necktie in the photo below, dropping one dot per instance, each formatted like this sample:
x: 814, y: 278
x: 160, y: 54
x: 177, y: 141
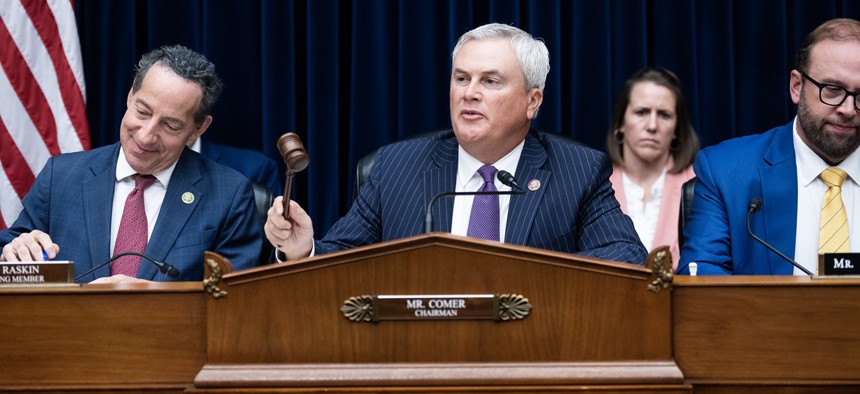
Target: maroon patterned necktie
x: 131, y: 236
x: 484, y: 220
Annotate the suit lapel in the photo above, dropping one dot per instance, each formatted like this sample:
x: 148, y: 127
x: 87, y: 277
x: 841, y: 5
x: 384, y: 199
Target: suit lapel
x: 442, y: 178
x: 97, y: 191
x: 175, y: 210
x: 523, y: 207
x: 779, y: 194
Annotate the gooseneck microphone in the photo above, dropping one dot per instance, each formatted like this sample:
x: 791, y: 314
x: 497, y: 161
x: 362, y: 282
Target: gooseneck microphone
x: 753, y: 207
x: 164, y: 268
x: 508, y: 179
x: 503, y: 176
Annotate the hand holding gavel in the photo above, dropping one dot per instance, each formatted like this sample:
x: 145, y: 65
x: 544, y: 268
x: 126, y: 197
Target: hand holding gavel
x: 296, y: 158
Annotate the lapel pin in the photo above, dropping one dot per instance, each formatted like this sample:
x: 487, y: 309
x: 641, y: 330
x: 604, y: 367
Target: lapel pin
x: 534, y: 184
x: 188, y: 197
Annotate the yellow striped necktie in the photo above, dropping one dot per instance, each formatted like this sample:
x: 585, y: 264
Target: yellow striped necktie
x: 833, y: 229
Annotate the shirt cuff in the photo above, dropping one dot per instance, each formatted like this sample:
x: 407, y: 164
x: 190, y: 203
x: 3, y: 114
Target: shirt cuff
x: 281, y: 257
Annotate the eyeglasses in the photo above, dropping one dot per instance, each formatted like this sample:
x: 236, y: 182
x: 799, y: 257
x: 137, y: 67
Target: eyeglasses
x: 832, y: 95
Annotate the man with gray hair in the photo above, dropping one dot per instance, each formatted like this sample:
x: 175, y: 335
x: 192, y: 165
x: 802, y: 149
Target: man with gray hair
x: 147, y: 194
x: 497, y: 80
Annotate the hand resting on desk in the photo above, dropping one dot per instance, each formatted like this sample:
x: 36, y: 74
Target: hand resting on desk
x: 32, y: 246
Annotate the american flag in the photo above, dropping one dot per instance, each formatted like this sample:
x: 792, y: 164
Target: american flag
x: 42, y: 108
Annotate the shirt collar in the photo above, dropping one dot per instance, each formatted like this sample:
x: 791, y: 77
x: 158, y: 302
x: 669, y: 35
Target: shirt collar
x: 124, y: 170
x: 196, y: 145
x: 636, y: 192
x: 468, y: 165
x: 810, y: 165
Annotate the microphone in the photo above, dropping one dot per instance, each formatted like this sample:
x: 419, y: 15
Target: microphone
x: 164, y: 268
x: 754, y: 206
x: 508, y: 180
x: 503, y: 176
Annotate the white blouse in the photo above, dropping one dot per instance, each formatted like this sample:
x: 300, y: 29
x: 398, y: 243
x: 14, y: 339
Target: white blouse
x: 644, y: 213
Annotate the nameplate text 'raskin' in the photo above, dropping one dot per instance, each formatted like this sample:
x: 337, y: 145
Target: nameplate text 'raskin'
x: 36, y: 273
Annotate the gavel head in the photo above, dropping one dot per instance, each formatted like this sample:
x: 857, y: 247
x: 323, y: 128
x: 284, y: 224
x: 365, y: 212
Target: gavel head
x: 295, y: 156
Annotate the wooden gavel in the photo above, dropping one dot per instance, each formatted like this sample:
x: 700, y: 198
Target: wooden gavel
x: 296, y: 158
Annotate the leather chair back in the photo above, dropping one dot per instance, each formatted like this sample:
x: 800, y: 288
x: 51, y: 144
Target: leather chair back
x: 365, y: 164
x: 362, y: 171
x: 687, y: 191
x: 263, y: 200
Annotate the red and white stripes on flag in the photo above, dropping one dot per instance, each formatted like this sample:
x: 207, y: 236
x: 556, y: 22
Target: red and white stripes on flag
x: 42, y: 109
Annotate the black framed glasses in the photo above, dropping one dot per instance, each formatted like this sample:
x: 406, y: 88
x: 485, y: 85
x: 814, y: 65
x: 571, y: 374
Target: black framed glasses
x: 832, y: 95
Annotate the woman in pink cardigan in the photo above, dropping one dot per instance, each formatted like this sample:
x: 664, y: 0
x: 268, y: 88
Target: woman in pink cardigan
x: 652, y: 145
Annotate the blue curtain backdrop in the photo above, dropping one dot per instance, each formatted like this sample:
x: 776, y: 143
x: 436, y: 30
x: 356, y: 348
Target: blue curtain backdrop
x: 350, y: 76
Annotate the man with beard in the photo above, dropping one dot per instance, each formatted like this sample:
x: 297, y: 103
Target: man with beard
x: 805, y: 173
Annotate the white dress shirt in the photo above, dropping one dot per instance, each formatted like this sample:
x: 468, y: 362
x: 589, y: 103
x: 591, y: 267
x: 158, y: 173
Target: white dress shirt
x: 153, y: 196
x: 810, y: 194
x: 468, y: 180
x: 196, y: 145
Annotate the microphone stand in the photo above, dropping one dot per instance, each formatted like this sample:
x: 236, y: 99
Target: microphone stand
x: 428, y: 219
x: 754, y: 206
x: 164, y: 268
x: 503, y: 176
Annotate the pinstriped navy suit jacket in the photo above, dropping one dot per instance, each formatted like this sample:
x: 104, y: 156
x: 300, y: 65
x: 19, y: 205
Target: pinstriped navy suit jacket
x: 574, y: 210
x: 72, y: 197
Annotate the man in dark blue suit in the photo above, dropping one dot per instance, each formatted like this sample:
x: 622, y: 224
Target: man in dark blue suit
x: 496, y: 89
x: 781, y: 167
x: 76, y: 208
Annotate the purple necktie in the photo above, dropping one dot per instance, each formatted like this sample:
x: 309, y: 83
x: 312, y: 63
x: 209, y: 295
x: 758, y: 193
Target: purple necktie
x: 484, y: 220
x: 131, y: 236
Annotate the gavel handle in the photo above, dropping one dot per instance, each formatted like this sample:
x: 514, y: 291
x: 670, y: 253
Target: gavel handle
x: 287, y: 184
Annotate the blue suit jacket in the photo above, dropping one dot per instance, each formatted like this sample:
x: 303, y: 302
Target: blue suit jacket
x: 574, y: 210
x: 252, y: 164
x: 72, y: 197
x: 730, y: 175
